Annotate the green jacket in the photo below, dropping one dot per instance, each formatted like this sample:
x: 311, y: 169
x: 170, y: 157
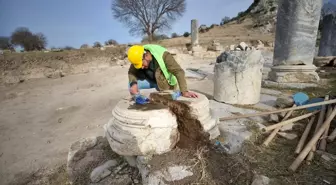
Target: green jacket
x: 172, y: 66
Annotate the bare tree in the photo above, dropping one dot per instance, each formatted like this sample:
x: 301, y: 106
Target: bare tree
x: 25, y: 38
x: 147, y: 16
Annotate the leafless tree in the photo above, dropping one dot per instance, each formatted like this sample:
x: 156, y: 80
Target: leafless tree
x: 147, y: 16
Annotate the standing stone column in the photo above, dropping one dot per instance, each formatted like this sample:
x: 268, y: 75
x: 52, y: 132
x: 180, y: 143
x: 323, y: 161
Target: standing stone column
x: 194, y: 32
x: 295, y: 40
x: 195, y: 47
x: 328, y: 37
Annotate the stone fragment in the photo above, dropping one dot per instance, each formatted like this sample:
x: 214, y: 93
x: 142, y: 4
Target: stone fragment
x: 102, y: 171
x: 232, y: 47
x: 260, y: 180
x: 131, y: 160
x: 328, y: 36
x: 215, y: 46
x: 273, y: 118
x: 121, y: 62
x: 237, y: 78
x: 287, y: 135
x: 325, y: 61
x: 260, y: 45
x: 243, y: 46
x: 174, y: 51
x: 164, y: 175
x: 270, y: 91
x: 284, y: 101
x: 287, y: 127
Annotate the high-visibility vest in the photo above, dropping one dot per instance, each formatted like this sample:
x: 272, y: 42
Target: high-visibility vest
x: 157, y: 51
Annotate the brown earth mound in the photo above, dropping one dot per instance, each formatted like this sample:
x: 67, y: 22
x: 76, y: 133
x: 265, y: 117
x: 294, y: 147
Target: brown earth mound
x: 192, y: 134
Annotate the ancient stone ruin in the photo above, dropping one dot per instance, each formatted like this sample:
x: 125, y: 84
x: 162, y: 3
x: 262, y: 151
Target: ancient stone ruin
x: 195, y: 47
x: 328, y: 37
x: 295, y: 40
x: 238, y: 76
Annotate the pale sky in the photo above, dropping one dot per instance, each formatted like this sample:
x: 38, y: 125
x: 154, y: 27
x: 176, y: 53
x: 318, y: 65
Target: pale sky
x: 77, y: 22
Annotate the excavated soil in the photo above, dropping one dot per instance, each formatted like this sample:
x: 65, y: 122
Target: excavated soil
x: 192, y: 134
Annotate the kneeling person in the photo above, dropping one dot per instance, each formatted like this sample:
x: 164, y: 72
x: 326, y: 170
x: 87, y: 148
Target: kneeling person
x: 152, y: 66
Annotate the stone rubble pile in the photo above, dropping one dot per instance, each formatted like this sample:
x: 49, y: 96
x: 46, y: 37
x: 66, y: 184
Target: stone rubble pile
x: 91, y: 161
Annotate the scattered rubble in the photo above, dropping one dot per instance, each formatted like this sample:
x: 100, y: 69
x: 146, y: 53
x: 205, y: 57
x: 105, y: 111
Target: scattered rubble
x: 284, y: 101
x: 273, y: 118
x: 260, y: 180
x: 329, y: 61
x: 92, y: 159
x: 215, y: 46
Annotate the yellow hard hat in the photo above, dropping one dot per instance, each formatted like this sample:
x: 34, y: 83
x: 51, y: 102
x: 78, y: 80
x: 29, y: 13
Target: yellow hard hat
x: 135, y: 55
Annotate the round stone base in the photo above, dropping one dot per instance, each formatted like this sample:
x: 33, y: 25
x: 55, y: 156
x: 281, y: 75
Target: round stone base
x: 294, y: 74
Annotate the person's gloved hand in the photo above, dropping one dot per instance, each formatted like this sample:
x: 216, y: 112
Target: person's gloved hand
x: 140, y: 99
x: 176, y: 94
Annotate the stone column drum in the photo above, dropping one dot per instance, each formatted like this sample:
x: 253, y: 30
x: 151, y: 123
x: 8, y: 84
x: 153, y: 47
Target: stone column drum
x: 328, y: 37
x: 238, y: 76
x: 295, y: 40
x: 136, y: 130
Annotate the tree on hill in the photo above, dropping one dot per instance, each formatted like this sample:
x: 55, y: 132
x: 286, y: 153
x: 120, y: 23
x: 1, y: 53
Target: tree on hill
x: 97, y: 45
x: 68, y: 48
x: 155, y: 38
x: 186, y: 34
x: 5, y: 44
x: 84, y: 46
x: 111, y: 42
x: 26, y: 39
x: 225, y: 20
x: 174, y: 35
x: 146, y: 17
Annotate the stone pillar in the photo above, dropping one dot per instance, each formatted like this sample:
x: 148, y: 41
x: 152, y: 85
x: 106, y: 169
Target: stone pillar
x: 194, y: 32
x: 295, y: 40
x: 328, y: 37
x: 196, y: 49
x: 237, y: 78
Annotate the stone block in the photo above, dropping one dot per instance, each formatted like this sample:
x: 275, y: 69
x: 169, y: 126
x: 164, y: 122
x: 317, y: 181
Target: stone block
x: 324, y: 61
x: 284, y: 101
x: 102, y: 171
x: 243, y: 46
x: 167, y: 174
x: 237, y: 78
x: 234, y: 135
x: 294, y: 74
x: 260, y: 180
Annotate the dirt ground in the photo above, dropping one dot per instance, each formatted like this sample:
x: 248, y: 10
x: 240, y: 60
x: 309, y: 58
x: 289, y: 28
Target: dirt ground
x: 39, y: 119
